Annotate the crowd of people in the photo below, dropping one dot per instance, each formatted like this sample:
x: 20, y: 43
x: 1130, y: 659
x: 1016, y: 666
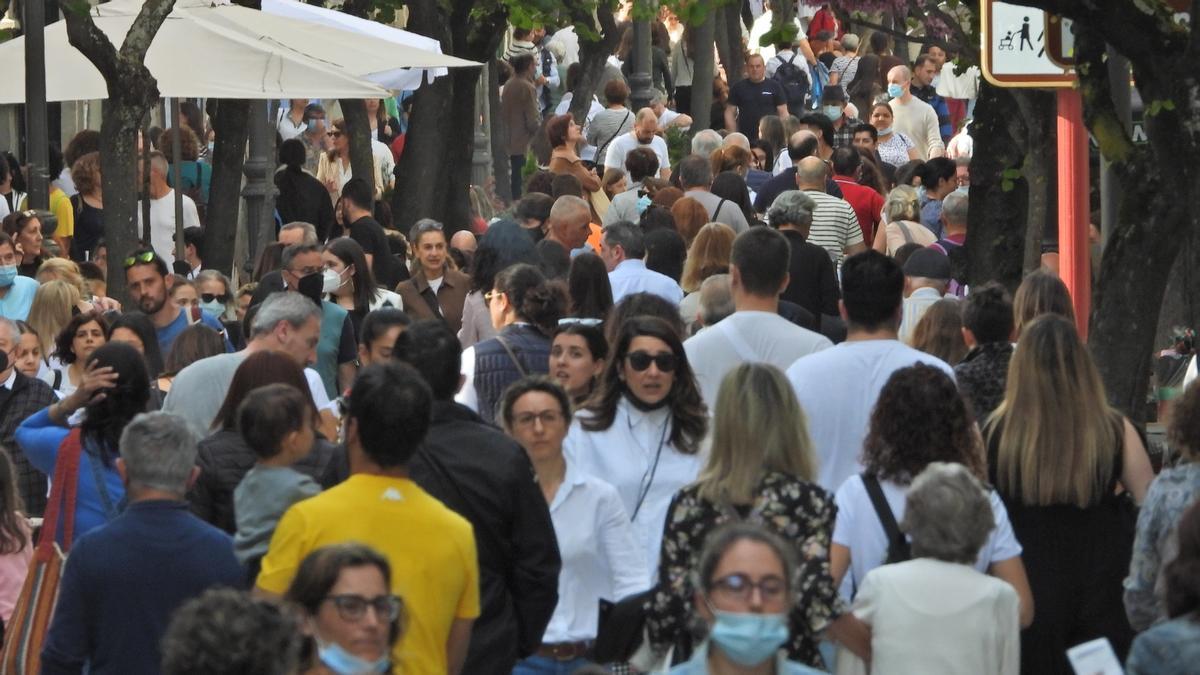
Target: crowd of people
x: 734, y: 412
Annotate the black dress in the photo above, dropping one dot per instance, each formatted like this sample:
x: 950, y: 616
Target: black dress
x: 1077, y: 560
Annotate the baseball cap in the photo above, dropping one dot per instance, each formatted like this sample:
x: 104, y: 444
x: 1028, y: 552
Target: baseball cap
x: 927, y: 263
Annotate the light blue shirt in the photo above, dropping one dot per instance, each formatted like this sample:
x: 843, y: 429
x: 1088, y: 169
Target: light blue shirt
x: 16, y: 303
x: 698, y: 665
x: 631, y: 276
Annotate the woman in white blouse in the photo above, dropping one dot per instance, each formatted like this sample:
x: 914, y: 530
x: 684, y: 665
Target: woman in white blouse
x: 600, y: 557
x: 643, y: 428
x: 935, y: 613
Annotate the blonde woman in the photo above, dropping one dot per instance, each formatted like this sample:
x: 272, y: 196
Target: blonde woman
x: 1066, y: 465
x: 708, y: 255
x: 1042, y: 292
x: 51, y: 311
x: 768, y: 482
x: 902, y: 213
x: 63, y: 269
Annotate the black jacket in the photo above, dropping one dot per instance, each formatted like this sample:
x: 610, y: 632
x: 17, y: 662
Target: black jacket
x: 812, y: 280
x: 224, y: 458
x: 485, y: 477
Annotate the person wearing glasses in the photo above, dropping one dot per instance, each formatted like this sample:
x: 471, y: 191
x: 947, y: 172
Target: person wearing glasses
x: 333, y: 168
x: 601, y: 557
x: 352, y: 617
x: 148, y: 561
x: 745, y: 582
x: 525, y: 310
x: 643, y: 427
x: 435, y: 291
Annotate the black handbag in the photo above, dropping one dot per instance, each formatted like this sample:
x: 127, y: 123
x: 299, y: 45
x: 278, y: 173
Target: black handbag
x: 621, y: 628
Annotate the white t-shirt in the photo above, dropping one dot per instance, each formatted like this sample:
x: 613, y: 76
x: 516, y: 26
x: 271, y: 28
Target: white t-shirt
x: 755, y: 337
x: 858, y: 528
x: 837, y: 388
x: 162, y: 223
x: 667, y: 116
x: 619, y: 148
x: 435, y: 284
x: 287, y: 128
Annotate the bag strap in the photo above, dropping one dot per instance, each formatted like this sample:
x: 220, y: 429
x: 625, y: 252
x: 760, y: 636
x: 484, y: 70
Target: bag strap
x: 717, y: 211
x: 908, y: 238
x: 512, y: 355
x: 62, y: 497
x: 897, y: 542
x: 612, y: 138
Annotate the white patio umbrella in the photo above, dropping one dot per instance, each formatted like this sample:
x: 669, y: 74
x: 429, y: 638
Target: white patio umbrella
x: 397, y: 79
x: 204, y: 50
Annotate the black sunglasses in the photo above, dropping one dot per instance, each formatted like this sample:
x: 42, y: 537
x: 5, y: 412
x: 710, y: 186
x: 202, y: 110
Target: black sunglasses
x: 641, y: 360
x: 209, y: 297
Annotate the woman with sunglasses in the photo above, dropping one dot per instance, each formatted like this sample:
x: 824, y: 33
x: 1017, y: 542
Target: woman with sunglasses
x: 333, y: 167
x: 643, y: 427
x: 349, y: 614
x: 26, y: 231
x: 746, y: 586
x: 216, y: 298
x: 525, y: 309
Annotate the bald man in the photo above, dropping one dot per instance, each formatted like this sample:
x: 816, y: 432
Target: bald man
x: 463, y: 240
x: 801, y: 144
x: 641, y: 136
x: 737, y: 139
x: 568, y: 222
x: 834, y: 226
x: 912, y: 116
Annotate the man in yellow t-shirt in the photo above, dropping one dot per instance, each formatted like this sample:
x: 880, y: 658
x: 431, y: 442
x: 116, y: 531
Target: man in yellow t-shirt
x: 431, y: 549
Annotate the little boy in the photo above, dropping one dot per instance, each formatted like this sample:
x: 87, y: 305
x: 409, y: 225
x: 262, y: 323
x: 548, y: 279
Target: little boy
x: 276, y: 421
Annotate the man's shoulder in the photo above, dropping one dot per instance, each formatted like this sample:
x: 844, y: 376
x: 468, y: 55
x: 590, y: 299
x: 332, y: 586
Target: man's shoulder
x: 206, y: 367
x: 826, y: 200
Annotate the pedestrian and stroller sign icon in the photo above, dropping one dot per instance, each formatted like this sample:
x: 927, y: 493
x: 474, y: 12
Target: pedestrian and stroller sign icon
x: 1021, y: 33
x: 1015, y: 49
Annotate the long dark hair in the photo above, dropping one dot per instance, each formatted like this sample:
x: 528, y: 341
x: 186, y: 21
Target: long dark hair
x: 104, y: 420
x: 140, y: 323
x: 13, y: 537
x: 589, y: 288
x: 729, y: 185
x: 351, y: 253
x: 259, y: 370
x: 688, y: 414
x: 532, y: 297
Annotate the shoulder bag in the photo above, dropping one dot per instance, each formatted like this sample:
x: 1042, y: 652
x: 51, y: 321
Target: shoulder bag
x: 898, y: 549
x: 26, y: 630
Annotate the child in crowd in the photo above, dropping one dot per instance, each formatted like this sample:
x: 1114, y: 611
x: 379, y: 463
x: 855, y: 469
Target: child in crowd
x: 276, y: 422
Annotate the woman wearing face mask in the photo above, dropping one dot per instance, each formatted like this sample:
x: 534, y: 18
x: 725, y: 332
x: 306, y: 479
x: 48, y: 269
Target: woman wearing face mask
x: 643, y: 427
x: 525, y: 309
x: 577, y: 357
x: 216, y: 298
x: 343, y: 593
x: 894, y: 147
x: 745, y: 585
x: 350, y: 283
x: 26, y: 232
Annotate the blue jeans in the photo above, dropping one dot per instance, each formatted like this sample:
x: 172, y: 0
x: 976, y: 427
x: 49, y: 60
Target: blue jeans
x: 541, y: 665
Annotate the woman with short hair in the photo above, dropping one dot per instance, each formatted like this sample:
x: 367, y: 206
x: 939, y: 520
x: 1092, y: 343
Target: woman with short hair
x: 641, y: 164
x: 767, y: 482
x: 1071, y: 470
x: 565, y: 136
x: 902, y: 213
x: 936, y: 613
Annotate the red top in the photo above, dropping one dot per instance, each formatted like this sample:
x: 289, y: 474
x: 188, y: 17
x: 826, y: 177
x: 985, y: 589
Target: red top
x: 867, y: 204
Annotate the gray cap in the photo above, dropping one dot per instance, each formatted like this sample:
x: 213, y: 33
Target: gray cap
x: 850, y: 41
x: 927, y: 263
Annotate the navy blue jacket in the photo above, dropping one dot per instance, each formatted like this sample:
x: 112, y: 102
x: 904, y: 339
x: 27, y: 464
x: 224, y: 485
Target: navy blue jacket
x: 495, y: 368
x: 123, y: 580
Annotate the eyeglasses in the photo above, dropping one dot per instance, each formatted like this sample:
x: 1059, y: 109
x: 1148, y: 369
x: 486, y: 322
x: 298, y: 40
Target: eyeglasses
x: 579, y: 320
x: 209, y: 297
x: 490, y: 295
x: 305, y: 271
x: 143, y: 257
x: 333, y: 134
x: 354, y: 607
x: 741, y: 587
x: 547, y: 418
x: 640, y: 361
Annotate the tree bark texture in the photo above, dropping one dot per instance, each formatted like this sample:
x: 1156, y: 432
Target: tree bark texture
x: 230, y: 122
x: 705, y: 70
x: 593, y: 56
x: 358, y: 125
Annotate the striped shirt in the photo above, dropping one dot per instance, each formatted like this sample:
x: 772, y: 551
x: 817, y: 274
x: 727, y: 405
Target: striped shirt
x: 834, y: 225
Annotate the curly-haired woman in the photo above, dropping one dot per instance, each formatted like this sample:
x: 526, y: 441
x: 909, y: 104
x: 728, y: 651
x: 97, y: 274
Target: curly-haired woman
x: 919, y: 418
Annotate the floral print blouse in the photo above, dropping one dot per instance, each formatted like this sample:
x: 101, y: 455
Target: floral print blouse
x: 1171, y: 493
x: 798, y: 511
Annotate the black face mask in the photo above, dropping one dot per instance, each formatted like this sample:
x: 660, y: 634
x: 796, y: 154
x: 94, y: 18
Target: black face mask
x: 642, y: 405
x: 4, y: 362
x: 310, y: 286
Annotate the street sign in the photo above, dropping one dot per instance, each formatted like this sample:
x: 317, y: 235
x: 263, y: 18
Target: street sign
x: 1015, y: 50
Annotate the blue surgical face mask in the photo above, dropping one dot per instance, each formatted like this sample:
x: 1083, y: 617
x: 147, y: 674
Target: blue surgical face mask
x: 749, y: 639
x: 311, y: 125
x: 8, y: 274
x: 895, y: 90
x: 885, y: 132
x: 211, y: 145
x: 963, y: 190
x: 343, y: 662
x: 831, y: 111
x: 216, y: 308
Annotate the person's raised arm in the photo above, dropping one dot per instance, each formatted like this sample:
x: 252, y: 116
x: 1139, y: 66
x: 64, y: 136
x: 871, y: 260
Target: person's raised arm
x: 731, y: 117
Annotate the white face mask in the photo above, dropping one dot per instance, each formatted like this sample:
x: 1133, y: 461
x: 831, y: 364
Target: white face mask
x: 331, y: 281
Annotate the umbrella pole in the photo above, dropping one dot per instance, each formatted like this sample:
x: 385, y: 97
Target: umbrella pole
x: 177, y: 179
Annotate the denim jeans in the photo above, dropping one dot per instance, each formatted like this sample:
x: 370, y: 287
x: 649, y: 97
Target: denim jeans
x: 541, y: 665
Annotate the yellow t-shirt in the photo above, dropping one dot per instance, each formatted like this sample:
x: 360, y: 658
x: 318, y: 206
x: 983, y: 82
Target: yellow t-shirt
x: 63, y: 210
x: 431, y: 550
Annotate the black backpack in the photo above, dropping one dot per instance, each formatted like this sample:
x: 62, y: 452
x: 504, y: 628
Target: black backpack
x: 793, y: 79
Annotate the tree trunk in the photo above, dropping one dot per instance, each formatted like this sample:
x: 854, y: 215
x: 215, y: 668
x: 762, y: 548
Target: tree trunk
x: 501, y: 186
x: 358, y: 125
x: 593, y: 56
x: 724, y: 49
x: 705, y: 70
x: 734, y: 61
x: 1039, y: 144
x: 231, y: 129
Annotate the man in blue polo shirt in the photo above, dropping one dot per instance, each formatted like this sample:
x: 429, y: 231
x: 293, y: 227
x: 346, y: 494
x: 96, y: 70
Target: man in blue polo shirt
x: 16, y: 291
x: 124, y: 579
x: 149, y: 283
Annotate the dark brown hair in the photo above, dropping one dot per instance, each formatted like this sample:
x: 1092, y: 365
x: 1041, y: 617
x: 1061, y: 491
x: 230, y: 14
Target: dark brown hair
x: 259, y: 370
x: 920, y: 418
x: 62, y: 342
x: 194, y: 343
x: 270, y: 413
x: 689, y: 416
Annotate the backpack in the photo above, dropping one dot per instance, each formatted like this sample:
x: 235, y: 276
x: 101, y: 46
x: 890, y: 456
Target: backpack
x: 793, y: 79
x: 820, y: 78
